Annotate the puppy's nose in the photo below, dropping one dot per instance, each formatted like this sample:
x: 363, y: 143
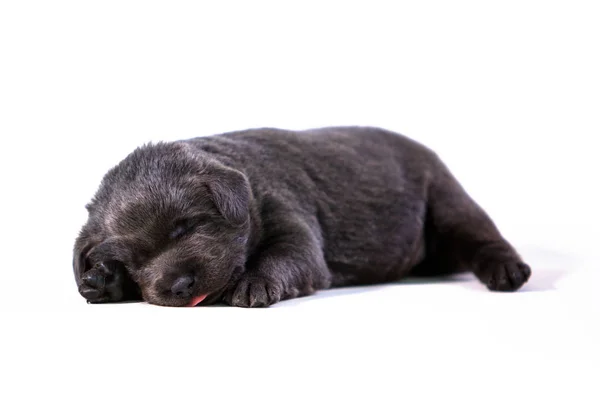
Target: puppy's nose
x: 182, y: 287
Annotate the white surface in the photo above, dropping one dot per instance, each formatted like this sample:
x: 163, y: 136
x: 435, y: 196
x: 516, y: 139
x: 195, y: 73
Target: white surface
x: 506, y: 94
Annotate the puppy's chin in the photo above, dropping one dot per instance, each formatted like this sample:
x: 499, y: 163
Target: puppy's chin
x: 176, y: 302
x: 195, y: 300
x: 192, y: 302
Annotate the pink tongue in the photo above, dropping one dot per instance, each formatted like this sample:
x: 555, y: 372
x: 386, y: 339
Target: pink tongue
x: 197, y: 300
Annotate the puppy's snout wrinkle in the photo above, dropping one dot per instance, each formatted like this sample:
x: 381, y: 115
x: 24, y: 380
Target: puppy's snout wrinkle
x: 182, y: 287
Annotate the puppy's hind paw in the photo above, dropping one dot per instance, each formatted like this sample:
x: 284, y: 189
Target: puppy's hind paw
x: 508, y: 277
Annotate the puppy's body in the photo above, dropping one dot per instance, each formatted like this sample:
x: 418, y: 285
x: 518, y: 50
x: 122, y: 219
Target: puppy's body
x: 283, y: 214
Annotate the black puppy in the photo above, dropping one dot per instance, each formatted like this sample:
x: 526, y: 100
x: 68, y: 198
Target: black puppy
x: 258, y: 216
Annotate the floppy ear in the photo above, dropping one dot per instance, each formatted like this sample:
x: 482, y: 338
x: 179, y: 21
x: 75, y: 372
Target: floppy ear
x: 231, y: 193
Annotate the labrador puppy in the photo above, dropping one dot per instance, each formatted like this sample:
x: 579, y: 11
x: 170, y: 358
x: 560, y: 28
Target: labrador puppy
x: 254, y: 217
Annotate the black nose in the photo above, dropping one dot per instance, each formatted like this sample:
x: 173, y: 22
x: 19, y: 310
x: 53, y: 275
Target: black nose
x: 182, y: 287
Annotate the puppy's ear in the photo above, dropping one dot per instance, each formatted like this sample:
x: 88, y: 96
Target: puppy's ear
x: 231, y: 193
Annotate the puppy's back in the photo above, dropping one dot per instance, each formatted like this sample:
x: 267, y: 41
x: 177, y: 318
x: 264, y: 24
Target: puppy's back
x: 363, y: 189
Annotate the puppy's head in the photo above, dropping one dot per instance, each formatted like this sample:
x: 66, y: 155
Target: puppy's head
x: 178, y: 220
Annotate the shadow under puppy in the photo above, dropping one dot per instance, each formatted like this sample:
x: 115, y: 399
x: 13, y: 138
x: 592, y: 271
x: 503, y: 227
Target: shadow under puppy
x: 258, y: 216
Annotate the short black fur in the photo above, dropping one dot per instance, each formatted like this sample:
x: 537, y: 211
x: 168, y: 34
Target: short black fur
x: 254, y: 217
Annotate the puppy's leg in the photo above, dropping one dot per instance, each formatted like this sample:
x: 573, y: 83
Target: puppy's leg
x: 288, y: 264
x: 107, y: 282
x: 465, y: 237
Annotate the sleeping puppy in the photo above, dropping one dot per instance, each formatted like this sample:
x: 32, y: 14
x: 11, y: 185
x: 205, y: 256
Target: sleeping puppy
x: 254, y: 217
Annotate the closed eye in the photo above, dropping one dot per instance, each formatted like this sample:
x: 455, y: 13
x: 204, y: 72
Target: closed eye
x: 185, y: 226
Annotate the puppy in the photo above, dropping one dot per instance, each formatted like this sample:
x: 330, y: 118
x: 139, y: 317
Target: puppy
x: 254, y: 217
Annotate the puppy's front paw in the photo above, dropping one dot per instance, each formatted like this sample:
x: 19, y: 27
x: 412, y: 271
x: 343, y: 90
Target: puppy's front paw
x: 508, y: 276
x: 254, y: 290
x: 103, y: 283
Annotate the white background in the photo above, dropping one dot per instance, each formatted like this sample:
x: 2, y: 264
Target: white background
x: 508, y: 93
